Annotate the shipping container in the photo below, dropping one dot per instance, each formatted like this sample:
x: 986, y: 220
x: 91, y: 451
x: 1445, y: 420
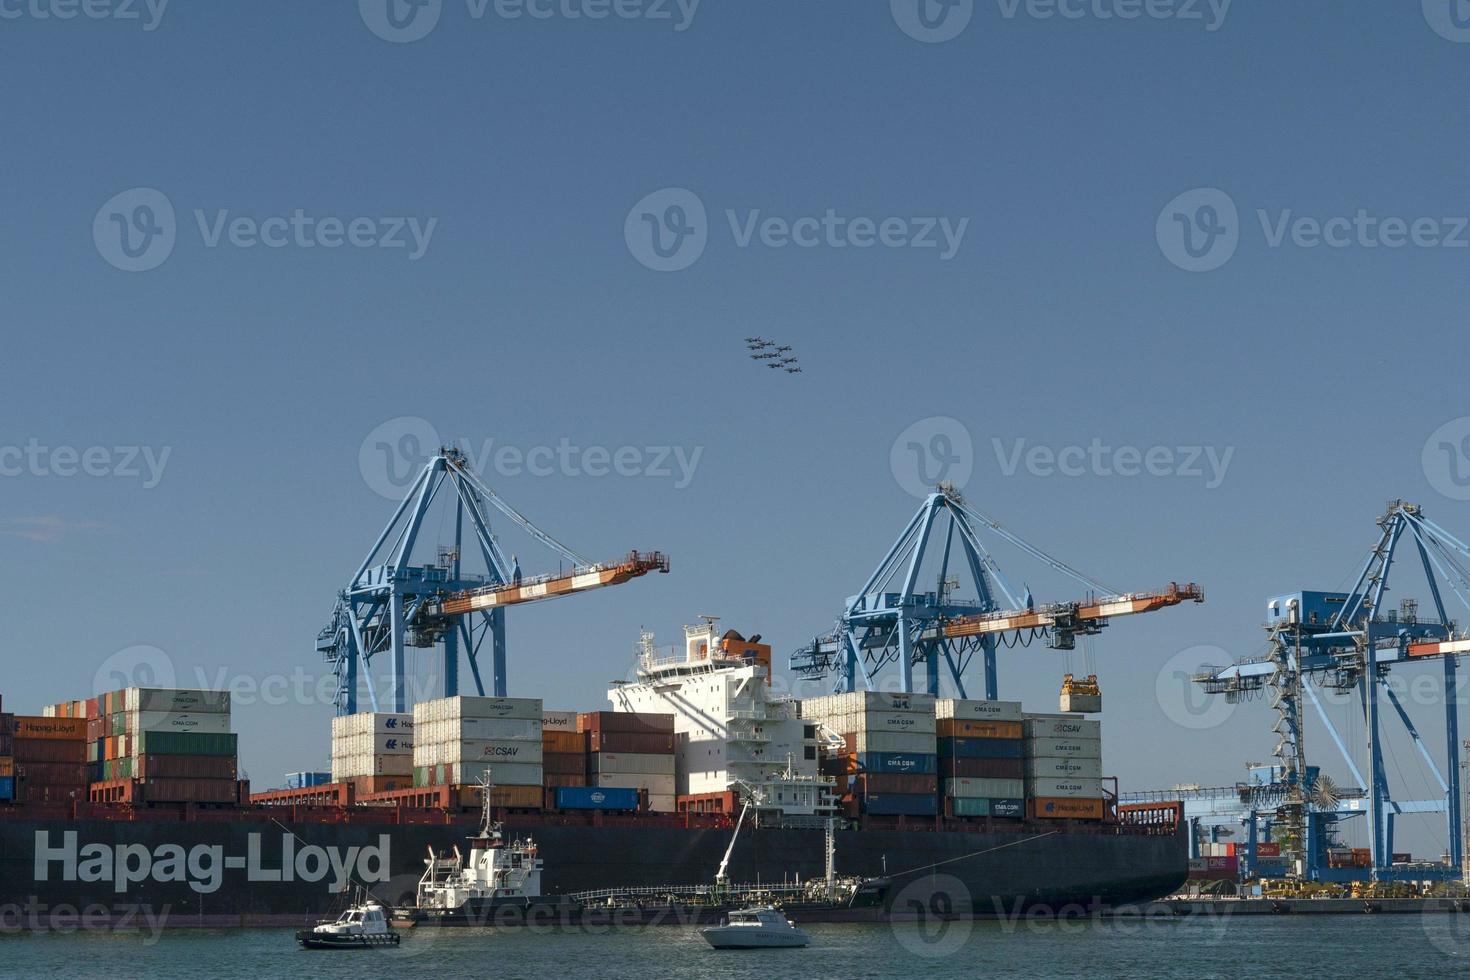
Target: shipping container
x: 564, y: 764
x: 553, y: 780
x: 306, y: 780
x: 982, y: 768
x: 159, y: 699
x: 525, y: 752
x: 7, y: 788
x: 858, y: 742
x: 875, y: 721
x: 631, y: 722
x: 482, y: 729
x: 650, y: 743
x: 1045, y: 808
x: 655, y: 785
x: 445, y: 709
x: 186, y: 743
x: 860, y: 702
x: 558, y: 721
x: 1268, y: 849
x: 33, y: 727
x: 981, y: 748
x: 184, y: 767
x: 985, y: 788
x: 869, y: 785
x: 964, y: 806
x: 596, y: 798
x: 897, y: 804
x: 370, y: 744
x: 1073, y: 768
x: 1062, y: 726
x: 178, y: 721
x: 1066, y: 748
x: 968, y: 728
x: 31, y: 774
x: 352, y: 766
x: 47, y: 750
x: 563, y: 741
x: 951, y: 708
x: 1066, y: 788
x: 500, y: 773
x: 373, y: 723
x: 7, y: 766
x: 626, y: 762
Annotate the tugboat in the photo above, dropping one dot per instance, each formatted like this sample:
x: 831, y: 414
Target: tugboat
x: 362, y: 926
x: 755, y: 928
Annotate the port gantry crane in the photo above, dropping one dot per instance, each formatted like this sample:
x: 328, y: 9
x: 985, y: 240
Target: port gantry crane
x: 1350, y: 641
x: 891, y: 621
x: 392, y: 603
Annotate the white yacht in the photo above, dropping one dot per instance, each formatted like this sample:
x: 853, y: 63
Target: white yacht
x: 755, y: 928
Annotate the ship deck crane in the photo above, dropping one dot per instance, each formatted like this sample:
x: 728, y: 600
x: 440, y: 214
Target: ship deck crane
x: 395, y: 601
x: 1350, y: 641
x: 891, y: 621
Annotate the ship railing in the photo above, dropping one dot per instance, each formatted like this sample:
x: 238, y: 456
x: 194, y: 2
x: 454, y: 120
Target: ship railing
x: 684, y: 891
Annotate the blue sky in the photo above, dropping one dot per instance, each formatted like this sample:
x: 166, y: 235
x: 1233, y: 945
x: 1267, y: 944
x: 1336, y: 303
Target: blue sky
x: 528, y: 319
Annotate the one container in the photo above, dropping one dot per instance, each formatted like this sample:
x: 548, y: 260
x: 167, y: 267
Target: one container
x: 985, y: 788
x: 1062, y: 726
x: 1050, y: 808
x: 652, y: 743
x: 1066, y: 788
x: 625, y: 721
x: 970, y: 728
x: 865, y: 741
x: 596, y: 798
x: 1066, y: 748
x: 955, y: 708
x: 654, y: 785
x: 464, y: 706
x: 982, y: 768
x: 563, y: 741
x: 183, y: 700
x: 897, y: 804
x: 613, y: 762
x: 558, y: 721
x: 7, y: 788
x: 869, y: 785
x: 184, y: 743
x: 41, y: 727
x: 895, y: 762
x: 1073, y: 768
x: 981, y: 748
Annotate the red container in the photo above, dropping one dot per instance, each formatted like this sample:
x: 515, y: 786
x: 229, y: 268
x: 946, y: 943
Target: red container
x: 563, y: 742
x: 900, y: 783
x: 1268, y: 849
x: 185, y: 767
x: 564, y: 764
x: 640, y: 743
x: 190, y: 790
x: 34, y: 774
x: 49, y: 750
x: 625, y: 721
x: 1228, y: 863
x: 558, y: 781
x: 982, y: 768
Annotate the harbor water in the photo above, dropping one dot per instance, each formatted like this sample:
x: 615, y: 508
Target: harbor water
x: 1402, y: 946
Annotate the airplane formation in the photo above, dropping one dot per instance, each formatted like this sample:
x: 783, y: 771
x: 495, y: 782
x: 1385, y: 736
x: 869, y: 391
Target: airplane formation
x: 767, y: 352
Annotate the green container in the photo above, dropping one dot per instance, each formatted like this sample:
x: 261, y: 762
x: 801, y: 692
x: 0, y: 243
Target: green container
x: 122, y: 769
x: 119, y: 724
x: 186, y: 743
x: 965, y: 806
x: 420, y: 776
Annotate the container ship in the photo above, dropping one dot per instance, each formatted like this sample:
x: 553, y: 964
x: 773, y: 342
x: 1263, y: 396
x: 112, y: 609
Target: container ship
x: 130, y: 804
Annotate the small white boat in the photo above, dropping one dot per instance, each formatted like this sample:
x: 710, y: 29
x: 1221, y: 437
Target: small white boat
x: 755, y: 928
x: 360, y: 927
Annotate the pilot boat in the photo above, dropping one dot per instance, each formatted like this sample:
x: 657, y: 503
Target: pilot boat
x: 360, y: 927
x: 755, y: 928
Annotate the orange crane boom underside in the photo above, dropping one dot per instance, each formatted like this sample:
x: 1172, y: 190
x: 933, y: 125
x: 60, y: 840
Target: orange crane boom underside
x: 581, y: 580
x: 1091, y: 611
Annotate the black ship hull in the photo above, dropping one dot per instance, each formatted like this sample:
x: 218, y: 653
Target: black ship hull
x: 242, y: 871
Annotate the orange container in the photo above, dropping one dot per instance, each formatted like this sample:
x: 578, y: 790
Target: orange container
x: 7, y: 766
x: 1050, y: 808
x: 970, y: 728
x: 563, y: 742
x: 34, y: 726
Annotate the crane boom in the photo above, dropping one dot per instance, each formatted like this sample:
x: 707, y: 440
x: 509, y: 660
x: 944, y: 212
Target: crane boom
x: 1081, y: 616
x: 581, y: 579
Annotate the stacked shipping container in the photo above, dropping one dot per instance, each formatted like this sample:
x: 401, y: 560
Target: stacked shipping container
x: 563, y: 752
x: 176, y: 744
x: 1064, y: 767
x: 373, y: 751
x: 889, y: 763
x: 631, y: 750
x: 49, y: 758
x: 7, y: 757
x: 981, y: 758
x: 457, y: 740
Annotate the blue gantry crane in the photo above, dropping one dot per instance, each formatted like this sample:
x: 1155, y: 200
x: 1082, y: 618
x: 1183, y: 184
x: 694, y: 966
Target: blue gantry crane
x: 895, y: 620
x: 1349, y: 642
x: 395, y: 601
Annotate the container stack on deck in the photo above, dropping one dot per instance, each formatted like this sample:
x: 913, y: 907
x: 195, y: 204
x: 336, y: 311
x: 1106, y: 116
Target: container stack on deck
x: 982, y: 758
x: 50, y: 758
x: 172, y: 745
x: 373, y: 751
x: 889, y: 764
x: 631, y: 750
x: 1064, y: 767
x: 459, y: 739
x: 7, y: 757
x: 563, y: 752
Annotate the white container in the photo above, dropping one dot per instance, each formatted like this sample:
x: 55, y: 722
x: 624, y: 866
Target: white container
x: 895, y: 742
x: 372, y: 723
x: 860, y: 702
x: 170, y: 699
x: 213, y: 723
x: 985, y: 789
x: 656, y: 785
x: 558, y: 721
x: 845, y: 723
x: 351, y: 766
x: 1055, y: 768
x: 1065, y: 748
x: 517, y: 752
x: 1067, y: 788
x: 1060, y: 726
x: 970, y: 710
x: 482, y: 729
x: 373, y: 745
x: 501, y: 773
x: 464, y: 706
x: 661, y: 802
x: 632, y: 762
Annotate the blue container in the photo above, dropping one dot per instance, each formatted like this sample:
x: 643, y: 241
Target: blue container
x: 595, y: 798
x: 1008, y: 808
x: 899, y: 762
x: 7, y: 787
x: 982, y: 748
x: 904, y: 804
x: 306, y: 780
